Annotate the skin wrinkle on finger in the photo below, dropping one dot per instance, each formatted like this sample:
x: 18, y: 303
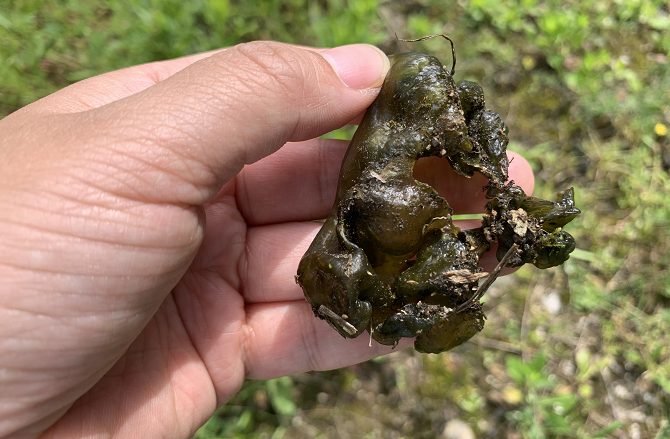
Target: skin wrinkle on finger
x: 110, y: 150
x: 55, y: 200
x: 50, y: 326
x: 223, y: 245
x: 283, y: 351
x: 290, y: 74
x: 79, y: 294
x: 175, y: 132
x: 214, y: 337
x: 52, y: 405
x: 286, y: 75
x: 310, y: 345
x: 129, y: 377
x: 194, y: 176
x: 102, y: 192
x: 118, y: 312
x: 80, y: 223
x: 51, y: 243
x: 96, y: 352
x: 223, y: 283
x: 287, y: 84
x: 199, y: 326
x: 171, y: 174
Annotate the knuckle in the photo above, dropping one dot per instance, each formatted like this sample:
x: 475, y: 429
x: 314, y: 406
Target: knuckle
x: 276, y: 67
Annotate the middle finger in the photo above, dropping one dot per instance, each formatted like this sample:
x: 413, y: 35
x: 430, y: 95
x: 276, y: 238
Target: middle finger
x: 299, y: 182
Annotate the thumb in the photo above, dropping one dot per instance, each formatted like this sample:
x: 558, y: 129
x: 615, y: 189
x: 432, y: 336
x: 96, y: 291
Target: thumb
x: 203, y: 124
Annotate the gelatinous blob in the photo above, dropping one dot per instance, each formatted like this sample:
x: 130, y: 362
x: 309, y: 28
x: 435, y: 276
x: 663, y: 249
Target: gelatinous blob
x: 388, y: 258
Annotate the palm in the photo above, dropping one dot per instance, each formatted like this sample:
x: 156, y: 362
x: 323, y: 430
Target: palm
x: 237, y: 312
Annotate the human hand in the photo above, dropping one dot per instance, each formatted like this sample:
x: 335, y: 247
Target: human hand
x: 123, y: 312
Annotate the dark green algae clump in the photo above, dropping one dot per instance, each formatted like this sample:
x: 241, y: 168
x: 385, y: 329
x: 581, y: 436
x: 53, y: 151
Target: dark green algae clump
x: 388, y: 258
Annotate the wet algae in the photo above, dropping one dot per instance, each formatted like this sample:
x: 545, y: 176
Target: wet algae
x: 388, y: 258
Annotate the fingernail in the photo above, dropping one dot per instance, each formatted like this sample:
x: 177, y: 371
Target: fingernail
x: 358, y: 65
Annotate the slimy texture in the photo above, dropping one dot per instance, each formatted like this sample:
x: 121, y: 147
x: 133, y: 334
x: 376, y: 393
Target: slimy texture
x: 388, y: 258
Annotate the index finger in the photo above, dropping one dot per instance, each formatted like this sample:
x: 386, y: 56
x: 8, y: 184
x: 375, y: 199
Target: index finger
x: 103, y: 89
x: 108, y: 87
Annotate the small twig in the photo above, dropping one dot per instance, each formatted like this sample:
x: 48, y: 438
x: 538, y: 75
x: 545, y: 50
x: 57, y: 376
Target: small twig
x: 525, y: 320
x: 614, y: 281
x: 371, y: 330
x: 495, y: 344
x: 496, y: 271
x: 327, y: 312
x: 663, y: 430
x: 453, y: 51
x: 614, y: 406
x: 489, y: 280
x: 339, y: 424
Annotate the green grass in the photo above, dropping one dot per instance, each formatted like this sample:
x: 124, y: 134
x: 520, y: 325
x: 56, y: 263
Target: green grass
x: 585, y: 88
